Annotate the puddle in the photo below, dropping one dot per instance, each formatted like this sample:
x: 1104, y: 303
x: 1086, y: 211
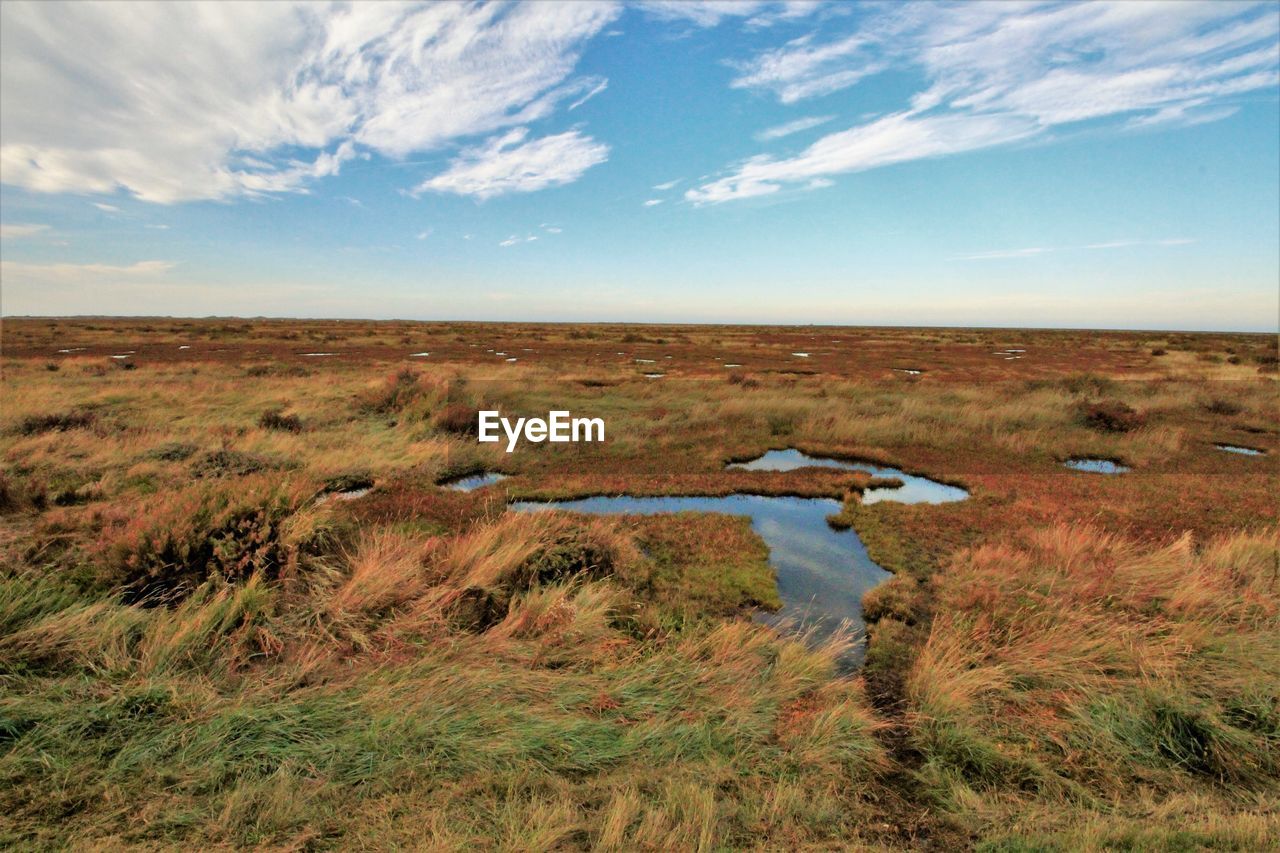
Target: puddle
x: 1244, y: 451
x: 318, y: 354
x: 800, y: 354
x: 822, y: 572
x: 73, y: 349
x: 120, y: 356
x: 184, y: 346
x: 471, y: 482
x: 914, y: 490
x: 910, y: 371
x: 644, y: 361
x: 419, y: 354
x: 1096, y: 466
x: 733, y: 365
x: 654, y: 375
x: 511, y: 360
x: 348, y: 495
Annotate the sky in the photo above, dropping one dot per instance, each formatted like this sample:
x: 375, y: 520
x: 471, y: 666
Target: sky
x: 1081, y: 165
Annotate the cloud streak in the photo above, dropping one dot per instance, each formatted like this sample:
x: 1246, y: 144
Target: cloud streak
x: 508, y: 164
x: 18, y: 230
x: 1033, y: 251
x: 999, y: 73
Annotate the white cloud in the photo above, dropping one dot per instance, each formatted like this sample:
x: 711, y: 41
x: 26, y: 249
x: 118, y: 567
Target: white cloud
x: 106, y: 208
x: 422, y: 235
x: 551, y: 229
x: 801, y: 69
x: 666, y: 186
x: 998, y: 73
x: 188, y: 101
x: 159, y: 227
x: 892, y: 139
x: 16, y: 230
x: 799, y: 125
x: 515, y: 240
x: 1005, y: 254
x: 506, y: 164
x: 653, y: 202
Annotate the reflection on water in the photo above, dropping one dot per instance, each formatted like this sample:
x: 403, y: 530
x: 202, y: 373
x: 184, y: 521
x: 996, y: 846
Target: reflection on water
x: 1096, y: 466
x: 822, y: 572
x: 473, y: 482
x: 914, y: 490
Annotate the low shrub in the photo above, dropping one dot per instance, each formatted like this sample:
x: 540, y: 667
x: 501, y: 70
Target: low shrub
x: 1111, y: 416
x: 179, y: 540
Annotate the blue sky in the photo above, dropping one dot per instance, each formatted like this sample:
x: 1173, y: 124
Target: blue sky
x: 1042, y: 164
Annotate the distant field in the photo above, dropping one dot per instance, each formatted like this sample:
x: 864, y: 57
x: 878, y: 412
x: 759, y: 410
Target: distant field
x: 201, y: 644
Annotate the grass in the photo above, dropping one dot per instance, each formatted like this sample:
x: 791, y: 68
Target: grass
x: 195, y: 649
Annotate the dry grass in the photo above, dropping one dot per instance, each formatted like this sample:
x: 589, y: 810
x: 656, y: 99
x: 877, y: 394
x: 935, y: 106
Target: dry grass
x: 194, y: 650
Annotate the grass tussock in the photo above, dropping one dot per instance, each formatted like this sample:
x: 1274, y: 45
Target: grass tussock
x: 1078, y: 667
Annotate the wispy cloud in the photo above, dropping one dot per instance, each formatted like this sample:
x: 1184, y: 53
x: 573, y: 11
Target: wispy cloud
x: 251, y: 99
x: 663, y: 187
x: 798, y: 126
x: 424, y: 234
x: 600, y: 84
x: 653, y: 202
x: 507, y: 164
x: 1006, y: 254
x: 515, y: 240
x: 755, y: 13
x: 802, y: 69
x: 106, y: 208
x: 64, y: 273
x: 1003, y: 72
x: 17, y: 230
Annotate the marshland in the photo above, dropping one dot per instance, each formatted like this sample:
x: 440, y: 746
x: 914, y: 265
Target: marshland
x: 199, y: 645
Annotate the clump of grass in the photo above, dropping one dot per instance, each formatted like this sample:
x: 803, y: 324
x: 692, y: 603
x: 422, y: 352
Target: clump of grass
x: 278, y: 419
x: 397, y: 393
x: 234, y: 463
x: 1079, y: 659
x: 174, y: 451
x: 1111, y: 416
x: 1089, y: 384
x: 292, y: 371
x: 57, y: 422
x: 1222, y: 406
x: 178, y: 541
x: 458, y: 419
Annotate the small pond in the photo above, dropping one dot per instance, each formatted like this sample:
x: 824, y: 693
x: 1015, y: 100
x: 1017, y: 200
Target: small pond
x: 1096, y: 466
x: 822, y: 572
x: 914, y: 490
x: 1244, y: 451
x: 473, y: 481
